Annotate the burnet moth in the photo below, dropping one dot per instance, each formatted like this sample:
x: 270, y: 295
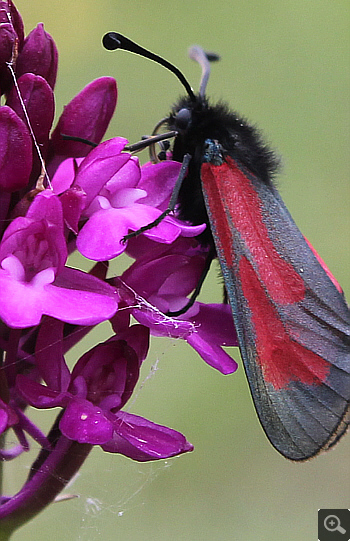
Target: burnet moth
x: 292, y: 321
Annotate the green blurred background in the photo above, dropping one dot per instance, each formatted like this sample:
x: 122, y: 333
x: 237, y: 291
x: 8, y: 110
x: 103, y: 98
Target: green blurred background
x: 285, y: 66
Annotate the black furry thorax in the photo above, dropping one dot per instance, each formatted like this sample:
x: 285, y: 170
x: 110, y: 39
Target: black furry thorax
x: 238, y: 138
x: 197, y: 121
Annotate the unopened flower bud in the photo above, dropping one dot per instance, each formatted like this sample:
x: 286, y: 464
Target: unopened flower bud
x: 39, y: 55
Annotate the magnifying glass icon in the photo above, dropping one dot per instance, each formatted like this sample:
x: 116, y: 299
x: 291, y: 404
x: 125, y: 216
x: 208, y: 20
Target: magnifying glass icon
x: 332, y: 524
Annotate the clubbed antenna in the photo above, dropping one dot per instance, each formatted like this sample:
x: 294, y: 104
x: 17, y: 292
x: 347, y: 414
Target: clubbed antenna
x: 112, y: 41
x: 203, y: 58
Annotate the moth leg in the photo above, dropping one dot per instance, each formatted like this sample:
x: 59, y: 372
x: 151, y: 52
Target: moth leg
x: 172, y: 203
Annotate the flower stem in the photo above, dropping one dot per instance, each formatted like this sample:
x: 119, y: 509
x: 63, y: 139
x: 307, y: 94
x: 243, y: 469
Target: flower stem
x: 49, y: 475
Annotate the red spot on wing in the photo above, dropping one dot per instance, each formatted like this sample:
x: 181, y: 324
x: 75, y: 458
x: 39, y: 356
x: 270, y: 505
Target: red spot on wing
x: 281, y: 359
x: 217, y: 211
x: 235, y: 204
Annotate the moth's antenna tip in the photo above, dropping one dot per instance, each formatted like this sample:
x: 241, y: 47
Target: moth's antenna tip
x: 212, y: 57
x: 111, y: 41
x: 203, y: 58
x: 197, y: 53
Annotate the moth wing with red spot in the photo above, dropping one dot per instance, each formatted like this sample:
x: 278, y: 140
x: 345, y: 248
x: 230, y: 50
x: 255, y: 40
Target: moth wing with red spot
x: 292, y: 321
